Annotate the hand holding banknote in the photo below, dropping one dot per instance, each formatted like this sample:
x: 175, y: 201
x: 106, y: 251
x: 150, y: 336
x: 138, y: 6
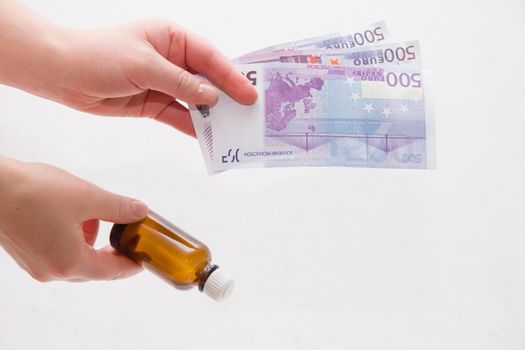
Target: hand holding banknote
x: 136, y: 69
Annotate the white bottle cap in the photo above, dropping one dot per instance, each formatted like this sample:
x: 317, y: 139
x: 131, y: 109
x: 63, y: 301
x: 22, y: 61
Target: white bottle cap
x: 219, y: 285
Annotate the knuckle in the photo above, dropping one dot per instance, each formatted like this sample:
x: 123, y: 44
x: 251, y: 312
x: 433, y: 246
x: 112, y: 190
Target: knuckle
x: 73, y: 100
x: 118, y: 207
x: 181, y: 80
x: 63, y: 272
x: 115, y: 276
x: 40, y: 277
x: 185, y: 82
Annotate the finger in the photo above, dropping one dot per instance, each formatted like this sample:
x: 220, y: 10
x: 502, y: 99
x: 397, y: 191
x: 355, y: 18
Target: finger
x: 90, y: 230
x: 108, y: 206
x: 195, y: 54
x: 107, y: 264
x: 153, y: 104
x: 161, y: 75
x: 167, y: 110
x: 177, y: 116
x: 204, y: 58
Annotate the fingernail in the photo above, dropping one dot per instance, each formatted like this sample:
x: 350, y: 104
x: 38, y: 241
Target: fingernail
x: 207, y: 93
x: 139, y: 209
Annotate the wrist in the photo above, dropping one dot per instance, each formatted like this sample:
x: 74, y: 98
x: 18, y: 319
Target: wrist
x: 34, y: 51
x: 38, y: 67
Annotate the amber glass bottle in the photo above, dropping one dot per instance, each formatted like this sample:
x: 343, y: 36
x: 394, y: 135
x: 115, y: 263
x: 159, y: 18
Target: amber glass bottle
x: 172, y: 254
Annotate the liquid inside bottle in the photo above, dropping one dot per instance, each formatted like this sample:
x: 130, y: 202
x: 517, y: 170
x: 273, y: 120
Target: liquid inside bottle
x: 172, y: 254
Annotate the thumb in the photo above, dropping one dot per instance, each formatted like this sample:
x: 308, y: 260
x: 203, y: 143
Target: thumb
x: 108, y: 206
x: 164, y: 76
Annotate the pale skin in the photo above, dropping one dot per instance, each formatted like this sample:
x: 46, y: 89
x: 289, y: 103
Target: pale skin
x: 49, y: 218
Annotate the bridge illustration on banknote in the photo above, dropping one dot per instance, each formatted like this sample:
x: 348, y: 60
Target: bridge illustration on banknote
x: 381, y: 135
x: 309, y: 141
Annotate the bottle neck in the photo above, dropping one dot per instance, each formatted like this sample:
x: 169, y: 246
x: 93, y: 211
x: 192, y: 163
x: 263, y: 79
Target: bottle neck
x: 204, y: 274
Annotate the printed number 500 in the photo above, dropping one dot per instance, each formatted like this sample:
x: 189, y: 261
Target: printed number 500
x: 403, y: 79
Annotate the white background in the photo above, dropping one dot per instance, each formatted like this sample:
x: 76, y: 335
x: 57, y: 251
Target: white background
x: 324, y: 258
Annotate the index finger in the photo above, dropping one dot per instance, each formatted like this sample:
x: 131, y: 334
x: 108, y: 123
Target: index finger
x: 204, y: 58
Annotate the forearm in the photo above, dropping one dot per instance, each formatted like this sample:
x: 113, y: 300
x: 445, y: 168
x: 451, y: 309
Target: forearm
x: 32, y: 56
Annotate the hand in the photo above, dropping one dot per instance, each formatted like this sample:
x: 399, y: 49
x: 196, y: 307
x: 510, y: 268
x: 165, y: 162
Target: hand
x: 139, y: 69
x: 136, y: 69
x: 49, y: 223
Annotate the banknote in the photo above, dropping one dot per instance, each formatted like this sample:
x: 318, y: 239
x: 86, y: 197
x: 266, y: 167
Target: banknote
x: 322, y: 115
x: 393, y: 53
x: 375, y: 33
x: 360, y: 38
x: 313, y: 41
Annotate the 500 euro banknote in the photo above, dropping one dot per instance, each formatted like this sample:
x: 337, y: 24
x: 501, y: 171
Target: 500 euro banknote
x: 375, y: 33
x: 406, y: 53
x: 322, y: 115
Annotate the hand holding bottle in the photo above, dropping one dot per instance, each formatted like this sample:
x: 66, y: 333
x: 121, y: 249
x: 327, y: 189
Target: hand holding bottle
x: 49, y: 223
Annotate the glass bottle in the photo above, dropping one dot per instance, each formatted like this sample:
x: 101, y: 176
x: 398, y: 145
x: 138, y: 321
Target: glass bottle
x: 172, y: 254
